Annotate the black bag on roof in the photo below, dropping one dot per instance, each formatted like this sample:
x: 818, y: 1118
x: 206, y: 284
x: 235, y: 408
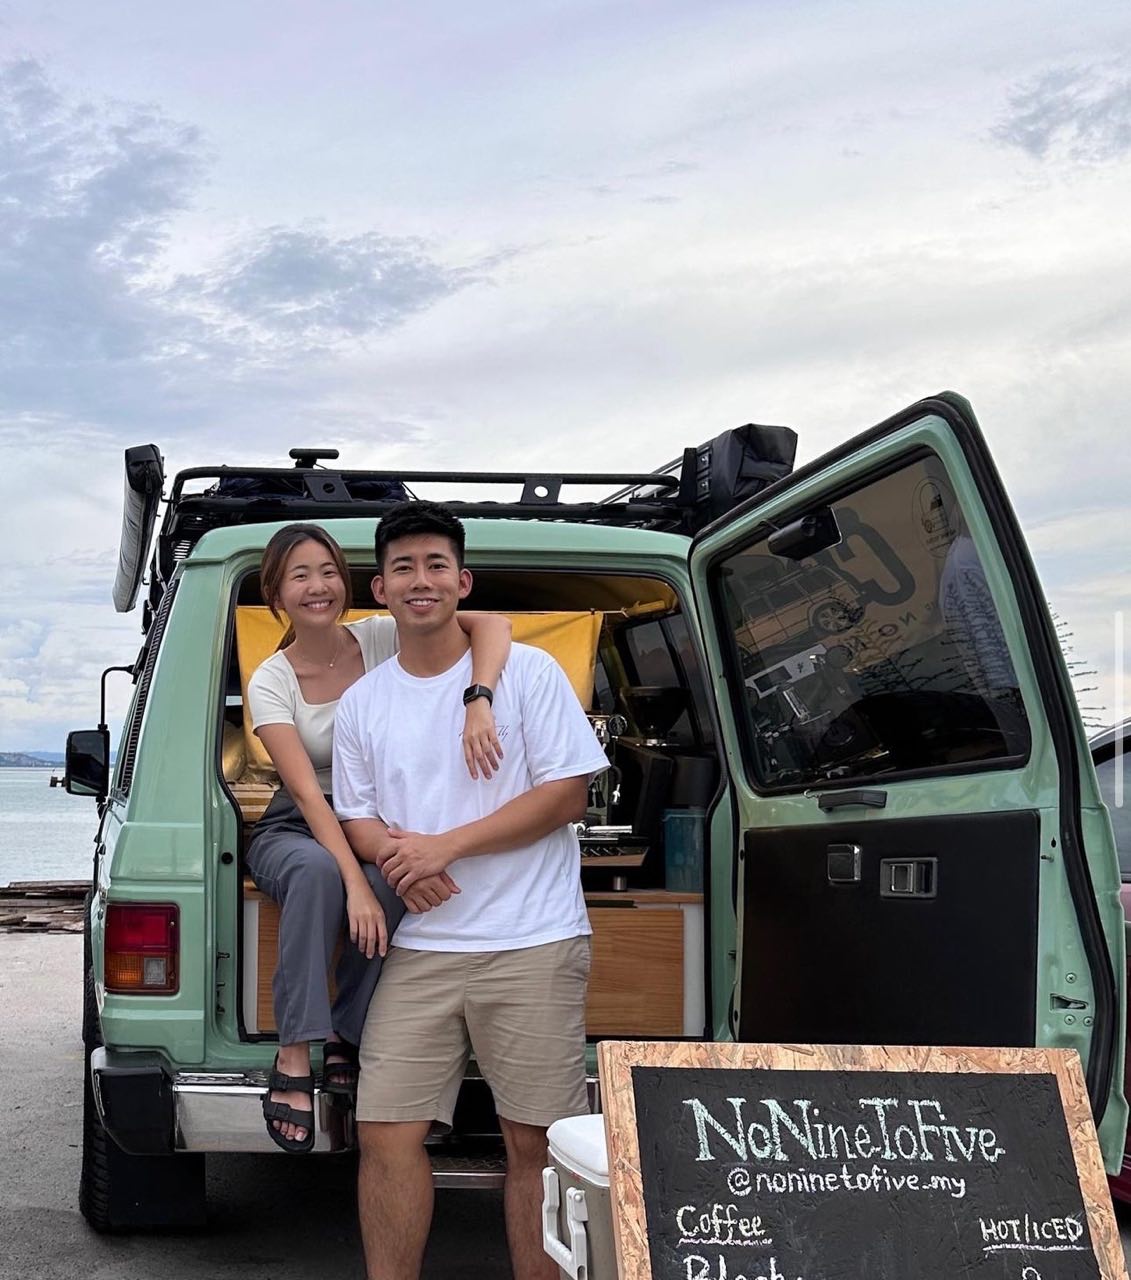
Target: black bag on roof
x: 738, y: 464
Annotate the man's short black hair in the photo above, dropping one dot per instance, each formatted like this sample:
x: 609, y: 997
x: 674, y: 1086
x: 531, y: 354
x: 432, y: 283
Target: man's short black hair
x: 410, y: 518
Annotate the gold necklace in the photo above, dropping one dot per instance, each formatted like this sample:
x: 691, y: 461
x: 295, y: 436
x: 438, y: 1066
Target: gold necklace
x: 337, y: 654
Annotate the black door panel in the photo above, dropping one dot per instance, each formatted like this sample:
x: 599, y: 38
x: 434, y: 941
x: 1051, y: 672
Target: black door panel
x: 905, y: 931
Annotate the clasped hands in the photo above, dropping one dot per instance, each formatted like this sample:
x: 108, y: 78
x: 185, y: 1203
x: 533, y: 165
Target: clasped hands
x: 416, y: 867
x: 415, y: 864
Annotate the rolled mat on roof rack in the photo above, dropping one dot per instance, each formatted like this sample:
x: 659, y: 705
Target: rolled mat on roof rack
x: 304, y: 486
x: 145, y: 478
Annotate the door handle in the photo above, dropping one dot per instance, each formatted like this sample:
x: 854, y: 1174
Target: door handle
x: 909, y: 877
x: 843, y: 799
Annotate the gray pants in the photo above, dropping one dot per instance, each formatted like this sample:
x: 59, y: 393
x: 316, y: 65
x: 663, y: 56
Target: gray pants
x: 290, y: 866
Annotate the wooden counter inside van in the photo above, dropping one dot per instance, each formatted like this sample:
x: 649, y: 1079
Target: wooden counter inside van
x: 647, y: 975
x: 646, y: 980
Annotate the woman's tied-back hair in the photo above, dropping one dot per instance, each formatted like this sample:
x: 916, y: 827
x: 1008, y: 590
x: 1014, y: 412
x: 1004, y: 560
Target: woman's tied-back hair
x: 410, y: 518
x: 274, y: 565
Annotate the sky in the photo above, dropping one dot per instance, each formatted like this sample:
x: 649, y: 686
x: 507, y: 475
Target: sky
x: 554, y: 234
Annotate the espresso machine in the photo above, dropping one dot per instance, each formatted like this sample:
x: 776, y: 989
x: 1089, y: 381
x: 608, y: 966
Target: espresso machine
x: 604, y: 790
x: 654, y: 709
x: 606, y: 844
x: 644, y: 760
x: 650, y: 773
x: 627, y: 801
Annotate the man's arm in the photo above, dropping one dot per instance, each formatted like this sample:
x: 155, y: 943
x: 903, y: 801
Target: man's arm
x: 370, y: 841
x: 521, y: 821
x: 368, y: 838
x: 355, y: 803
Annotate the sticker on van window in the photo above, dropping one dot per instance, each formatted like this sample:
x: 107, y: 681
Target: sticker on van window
x: 934, y: 514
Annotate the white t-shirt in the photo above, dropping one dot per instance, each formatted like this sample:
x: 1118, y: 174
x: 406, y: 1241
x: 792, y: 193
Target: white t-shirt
x: 274, y: 695
x: 398, y: 757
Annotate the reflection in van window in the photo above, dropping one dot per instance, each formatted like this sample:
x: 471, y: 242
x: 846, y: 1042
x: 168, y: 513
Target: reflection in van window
x: 1120, y: 813
x: 881, y: 654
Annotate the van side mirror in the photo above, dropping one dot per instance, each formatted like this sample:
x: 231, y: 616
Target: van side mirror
x: 87, y: 769
x: 813, y: 533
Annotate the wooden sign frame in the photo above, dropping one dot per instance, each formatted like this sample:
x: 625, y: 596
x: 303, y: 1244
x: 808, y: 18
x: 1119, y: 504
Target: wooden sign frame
x: 616, y: 1058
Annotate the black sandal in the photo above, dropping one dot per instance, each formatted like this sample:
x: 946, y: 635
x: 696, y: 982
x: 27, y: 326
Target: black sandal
x: 340, y: 1077
x: 277, y: 1082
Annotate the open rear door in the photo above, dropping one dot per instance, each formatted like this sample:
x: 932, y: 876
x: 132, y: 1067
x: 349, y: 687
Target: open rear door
x: 923, y: 858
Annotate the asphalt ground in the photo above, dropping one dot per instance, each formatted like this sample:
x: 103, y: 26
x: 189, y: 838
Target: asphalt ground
x: 269, y: 1216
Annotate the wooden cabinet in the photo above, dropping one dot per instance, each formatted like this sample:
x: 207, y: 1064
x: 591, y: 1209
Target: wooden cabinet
x: 646, y: 979
x: 648, y: 958
x: 636, y: 983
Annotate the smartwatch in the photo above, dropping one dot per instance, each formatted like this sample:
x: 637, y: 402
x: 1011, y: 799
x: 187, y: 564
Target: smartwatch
x: 478, y: 691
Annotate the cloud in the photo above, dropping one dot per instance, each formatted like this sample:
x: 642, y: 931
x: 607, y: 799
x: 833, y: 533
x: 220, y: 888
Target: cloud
x: 58, y: 628
x: 20, y: 638
x: 228, y: 291
x: 1084, y: 530
x: 303, y: 285
x: 85, y: 202
x: 96, y: 327
x: 103, y: 343
x: 1082, y: 113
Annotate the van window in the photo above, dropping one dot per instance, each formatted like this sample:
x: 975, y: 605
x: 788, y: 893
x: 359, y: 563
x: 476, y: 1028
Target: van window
x: 882, y: 653
x: 660, y: 652
x: 146, y: 661
x: 1120, y: 813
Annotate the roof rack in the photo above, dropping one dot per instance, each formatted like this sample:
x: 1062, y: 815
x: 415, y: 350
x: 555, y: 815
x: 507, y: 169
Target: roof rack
x: 680, y: 497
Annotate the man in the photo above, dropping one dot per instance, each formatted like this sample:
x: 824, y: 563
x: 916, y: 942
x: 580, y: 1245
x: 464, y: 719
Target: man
x: 498, y: 966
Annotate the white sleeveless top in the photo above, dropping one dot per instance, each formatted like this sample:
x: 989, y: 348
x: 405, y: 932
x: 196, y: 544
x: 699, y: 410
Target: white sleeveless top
x: 274, y: 696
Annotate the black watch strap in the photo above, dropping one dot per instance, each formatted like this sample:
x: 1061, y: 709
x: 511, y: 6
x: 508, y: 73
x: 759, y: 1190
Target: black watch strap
x: 478, y: 691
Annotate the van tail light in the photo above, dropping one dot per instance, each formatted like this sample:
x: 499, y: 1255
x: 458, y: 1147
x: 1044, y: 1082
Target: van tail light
x: 142, y: 948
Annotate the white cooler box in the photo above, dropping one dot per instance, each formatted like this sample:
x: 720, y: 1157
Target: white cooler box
x: 577, y: 1217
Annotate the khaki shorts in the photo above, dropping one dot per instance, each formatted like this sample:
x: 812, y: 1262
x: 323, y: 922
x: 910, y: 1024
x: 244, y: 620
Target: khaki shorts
x: 522, y: 1012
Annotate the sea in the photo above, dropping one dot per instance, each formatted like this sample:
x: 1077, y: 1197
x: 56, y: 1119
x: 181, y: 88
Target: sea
x: 45, y: 834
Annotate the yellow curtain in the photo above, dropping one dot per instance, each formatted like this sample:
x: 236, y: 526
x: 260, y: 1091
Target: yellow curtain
x: 571, y: 638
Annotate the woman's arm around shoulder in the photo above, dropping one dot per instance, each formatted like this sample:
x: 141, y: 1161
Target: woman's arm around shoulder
x: 490, y: 636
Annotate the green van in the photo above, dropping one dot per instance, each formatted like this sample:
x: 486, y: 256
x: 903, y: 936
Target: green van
x: 850, y: 800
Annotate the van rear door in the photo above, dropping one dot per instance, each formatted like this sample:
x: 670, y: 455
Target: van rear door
x: 923, y: 858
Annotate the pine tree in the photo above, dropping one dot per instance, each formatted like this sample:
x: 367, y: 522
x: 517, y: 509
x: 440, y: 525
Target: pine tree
x: 1094, y: 716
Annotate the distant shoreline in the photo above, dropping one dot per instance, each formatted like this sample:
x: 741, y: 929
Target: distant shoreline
x: 17, y: 760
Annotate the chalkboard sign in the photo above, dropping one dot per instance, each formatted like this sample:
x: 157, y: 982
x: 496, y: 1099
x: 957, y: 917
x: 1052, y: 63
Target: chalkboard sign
x: 794, y: 1162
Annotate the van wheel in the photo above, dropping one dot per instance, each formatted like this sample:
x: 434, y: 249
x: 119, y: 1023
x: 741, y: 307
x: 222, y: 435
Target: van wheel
x: 119, y: 1192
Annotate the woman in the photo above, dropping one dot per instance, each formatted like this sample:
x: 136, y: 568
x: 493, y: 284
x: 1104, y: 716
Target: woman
x: 298, y: 854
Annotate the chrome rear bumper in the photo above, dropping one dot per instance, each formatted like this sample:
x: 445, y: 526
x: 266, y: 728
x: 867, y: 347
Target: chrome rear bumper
x: 223, y: 1111
x: 148, y: 1109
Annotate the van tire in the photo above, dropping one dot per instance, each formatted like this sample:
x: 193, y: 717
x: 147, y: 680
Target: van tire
x: 119, y: 1192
